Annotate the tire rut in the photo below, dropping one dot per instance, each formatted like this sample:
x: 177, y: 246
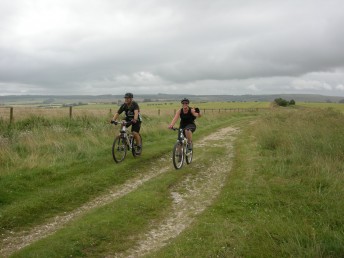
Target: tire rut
x: 198, y: 192
x: 16, y: 241
x: 190, y: 198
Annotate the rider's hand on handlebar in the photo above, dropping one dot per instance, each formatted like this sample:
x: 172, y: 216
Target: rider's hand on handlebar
x: 197, y: 110
x: 133, y: 121
x: 170, y: 126
x: 113, y: 121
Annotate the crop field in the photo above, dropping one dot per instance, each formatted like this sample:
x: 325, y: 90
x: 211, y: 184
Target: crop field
x: 264, y: 182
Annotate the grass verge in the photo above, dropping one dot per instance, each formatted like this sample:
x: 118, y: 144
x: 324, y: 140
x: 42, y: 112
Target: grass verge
x: 283, y: 196
x: 114, y: 228
x: 54, y: 166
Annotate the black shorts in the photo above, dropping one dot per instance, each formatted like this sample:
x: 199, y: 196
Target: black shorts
x: 191, y: 127
x: 136, y: 127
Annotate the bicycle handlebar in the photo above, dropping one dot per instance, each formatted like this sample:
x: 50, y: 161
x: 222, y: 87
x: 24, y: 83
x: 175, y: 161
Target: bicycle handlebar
x: 121, y: 122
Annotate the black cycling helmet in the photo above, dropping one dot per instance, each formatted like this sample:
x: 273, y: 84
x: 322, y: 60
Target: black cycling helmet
x: 185, y: 100
x: 128, y: 95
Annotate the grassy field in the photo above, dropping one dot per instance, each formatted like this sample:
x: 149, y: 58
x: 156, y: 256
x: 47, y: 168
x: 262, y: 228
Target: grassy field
x: 283, y: 196
x: 151, y: 109
x: 21, y: 112
x: 280, y: 199
x: 335, y: 106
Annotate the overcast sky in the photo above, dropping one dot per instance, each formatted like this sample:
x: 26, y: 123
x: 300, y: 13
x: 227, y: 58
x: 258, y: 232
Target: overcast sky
x: 229, y: 47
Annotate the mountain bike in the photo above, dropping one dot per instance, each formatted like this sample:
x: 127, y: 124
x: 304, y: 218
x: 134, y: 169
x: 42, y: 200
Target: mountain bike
x: 181, y: 151
x: 124, y: 142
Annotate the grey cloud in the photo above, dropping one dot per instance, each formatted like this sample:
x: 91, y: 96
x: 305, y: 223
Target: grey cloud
x: 102, y: 47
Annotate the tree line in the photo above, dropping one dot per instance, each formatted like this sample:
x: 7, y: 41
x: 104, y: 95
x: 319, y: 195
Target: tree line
x: 284, y: 103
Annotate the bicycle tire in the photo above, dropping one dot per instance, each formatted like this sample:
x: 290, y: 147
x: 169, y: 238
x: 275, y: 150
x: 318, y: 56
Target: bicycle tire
x: 188, y: 155
x: 119, y: 149
x: 178, y: 155
x: 134, y: 148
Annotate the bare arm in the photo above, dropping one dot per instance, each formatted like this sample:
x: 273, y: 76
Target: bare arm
x: 136, y: 114
x: 115, y: 117
x: 174, y: 120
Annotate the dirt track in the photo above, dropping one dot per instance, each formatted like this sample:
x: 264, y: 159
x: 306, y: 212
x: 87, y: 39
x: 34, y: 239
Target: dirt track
x: 191, y: 197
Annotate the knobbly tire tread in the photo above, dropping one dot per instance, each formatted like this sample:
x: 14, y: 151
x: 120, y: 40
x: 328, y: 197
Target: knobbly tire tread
x: 177, y: 164
x: 118, y: 142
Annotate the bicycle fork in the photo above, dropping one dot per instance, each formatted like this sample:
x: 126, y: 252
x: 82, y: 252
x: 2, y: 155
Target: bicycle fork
x: 129, y: 141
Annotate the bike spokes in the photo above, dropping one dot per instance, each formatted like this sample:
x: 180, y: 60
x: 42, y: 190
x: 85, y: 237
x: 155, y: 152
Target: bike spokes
x: 178, y: 155
x: 188, y: 155
x: 119, y: 149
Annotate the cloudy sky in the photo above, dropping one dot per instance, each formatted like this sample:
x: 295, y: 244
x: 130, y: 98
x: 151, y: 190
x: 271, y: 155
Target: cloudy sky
x: 179, y: 46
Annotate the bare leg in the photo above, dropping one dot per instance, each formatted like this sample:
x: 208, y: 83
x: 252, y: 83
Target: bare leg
x: 137, y: 138
x: 188, y: 134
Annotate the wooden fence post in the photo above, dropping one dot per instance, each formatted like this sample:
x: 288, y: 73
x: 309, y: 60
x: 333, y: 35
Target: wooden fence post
x: 11, y: 115
x: 158, y: 112
x: 70, y: 112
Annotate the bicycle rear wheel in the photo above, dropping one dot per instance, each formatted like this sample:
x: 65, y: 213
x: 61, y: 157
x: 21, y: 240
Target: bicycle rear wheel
x: 119, y: 149
x: 178, y: 155
x: 135, y: 148
x: 188, y: 155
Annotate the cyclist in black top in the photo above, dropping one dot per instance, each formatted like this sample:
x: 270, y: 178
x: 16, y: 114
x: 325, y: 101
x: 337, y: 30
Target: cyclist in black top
x: 132, y: 114
x: 187, y: 117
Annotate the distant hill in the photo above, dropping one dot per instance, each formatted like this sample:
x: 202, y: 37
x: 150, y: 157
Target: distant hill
x: 57, y: 99
x: 250, y: 98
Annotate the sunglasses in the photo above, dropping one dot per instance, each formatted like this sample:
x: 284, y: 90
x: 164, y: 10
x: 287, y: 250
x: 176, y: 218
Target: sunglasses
x: 184, y: 102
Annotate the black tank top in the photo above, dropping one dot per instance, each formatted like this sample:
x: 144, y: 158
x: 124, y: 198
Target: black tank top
x: 186, y: 119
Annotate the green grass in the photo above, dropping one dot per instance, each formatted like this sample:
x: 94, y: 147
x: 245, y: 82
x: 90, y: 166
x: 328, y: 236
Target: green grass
x: 56, y: 165
x: 282, y: 197
x: 336, y: 106
x: 108, y: 227
x: 116, y: 226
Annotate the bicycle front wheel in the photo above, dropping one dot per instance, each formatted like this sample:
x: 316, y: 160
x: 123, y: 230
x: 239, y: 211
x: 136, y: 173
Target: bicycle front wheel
x: 188, y: 155
x: 178, y: 155
x: 135, y: 148
x: 119, y: 149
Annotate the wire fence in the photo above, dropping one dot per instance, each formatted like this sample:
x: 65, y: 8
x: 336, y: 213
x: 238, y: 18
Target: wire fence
x: 12, y: 114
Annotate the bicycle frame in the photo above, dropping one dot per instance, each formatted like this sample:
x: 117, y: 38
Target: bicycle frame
x: 125, y: 134
x: 124, y: 142
x: 180, y: 150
